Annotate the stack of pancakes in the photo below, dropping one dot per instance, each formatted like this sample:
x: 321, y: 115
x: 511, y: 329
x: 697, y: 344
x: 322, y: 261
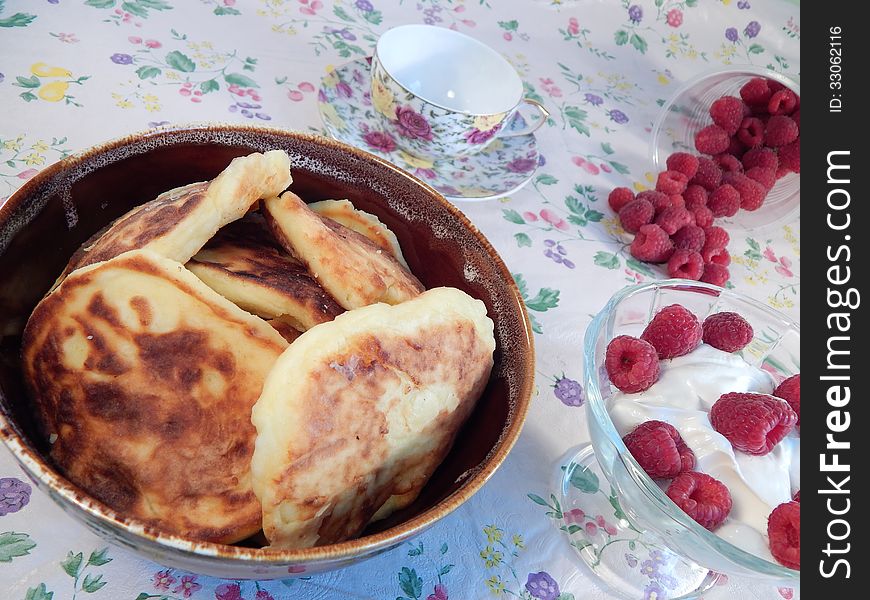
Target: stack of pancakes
x: 226, y: 358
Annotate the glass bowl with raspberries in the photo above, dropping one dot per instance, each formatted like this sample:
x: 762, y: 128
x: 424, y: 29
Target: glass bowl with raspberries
x: 746, y: 120
x: 693, y: 406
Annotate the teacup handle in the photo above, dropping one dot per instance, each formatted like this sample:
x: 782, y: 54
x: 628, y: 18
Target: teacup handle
x: 531, y: 124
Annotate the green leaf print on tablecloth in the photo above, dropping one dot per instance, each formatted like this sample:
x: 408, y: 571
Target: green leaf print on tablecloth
x: 14, y: 544
x: 16, y: 19
x: 544, y: 300
x: 413, y: 585
x: 39, y: 593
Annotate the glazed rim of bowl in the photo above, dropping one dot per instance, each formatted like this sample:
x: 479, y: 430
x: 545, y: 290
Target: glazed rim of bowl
x: 38, y: 467
x: 736, y: 70
x: 605, y: 320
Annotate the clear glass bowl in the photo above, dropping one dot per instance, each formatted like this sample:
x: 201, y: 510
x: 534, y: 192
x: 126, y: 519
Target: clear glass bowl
x: 775, y: 348
x: 687, y: 112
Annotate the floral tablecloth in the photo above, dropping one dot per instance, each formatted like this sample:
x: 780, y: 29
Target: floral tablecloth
x: 77, y: 72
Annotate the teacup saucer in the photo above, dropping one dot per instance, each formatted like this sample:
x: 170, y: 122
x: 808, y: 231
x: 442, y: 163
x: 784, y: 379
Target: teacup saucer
x: 344, y: 101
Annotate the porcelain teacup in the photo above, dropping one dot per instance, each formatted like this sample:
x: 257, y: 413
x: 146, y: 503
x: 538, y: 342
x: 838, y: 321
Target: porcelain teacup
x: 442, y: 94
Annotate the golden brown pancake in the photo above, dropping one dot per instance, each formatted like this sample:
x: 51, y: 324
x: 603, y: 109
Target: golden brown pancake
x: 377, y: 397
x: 351, y: 268
x: 367, y: 224
x: 245, y: 264
x: 143, y: 379
x: 179, y: 222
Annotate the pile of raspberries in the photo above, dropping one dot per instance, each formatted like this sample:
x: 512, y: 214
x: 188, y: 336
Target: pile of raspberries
x: 754, y: 423
x: 753, y: 141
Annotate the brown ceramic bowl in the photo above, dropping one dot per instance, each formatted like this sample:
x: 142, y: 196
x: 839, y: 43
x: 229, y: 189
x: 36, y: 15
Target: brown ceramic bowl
x: 46, y: 220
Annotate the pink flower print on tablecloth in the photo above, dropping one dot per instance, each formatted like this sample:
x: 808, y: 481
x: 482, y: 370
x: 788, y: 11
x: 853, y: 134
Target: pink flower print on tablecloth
x: 440, y: 593
x: 163, y: 580
x: 187, y: 586
x: 675, y: 17
x: 228, y: 591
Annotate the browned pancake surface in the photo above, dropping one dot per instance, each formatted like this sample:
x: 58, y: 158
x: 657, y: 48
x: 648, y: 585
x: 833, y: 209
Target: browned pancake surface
x: 245, y: 264
x: 144, y: 379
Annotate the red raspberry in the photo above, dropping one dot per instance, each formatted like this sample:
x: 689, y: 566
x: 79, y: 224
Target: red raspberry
x: 674, y: 331
x: 709, y: 175
x: 751, y: 132
x: 784, y: 534
x: 790, y: 391
x: 780, y: 130
x: 636, y: 214
x: 752, y: 193
x: 727, y: 331
x: 760, y: 157
x: 790, y: 156
x: 715, y: 274
x: 766, y: 177
x: 652, y: 244
x: 673, y: 219
x: 631, y: 363
x: 724, y: 201
x: 716, y: 256
x: 685, y: 163
x: 619, y: 197
x: 753, y: 423
x: 782, y: 172
x: 671, y: 182
x: 677, y: 200
x: 690, y: 237
x: 728, y: 163
x: 659, y: 449
x: 774, y: 86
x: 659, y: 200
x: 782, y: 102
x: 797, y: 496
x: 686, y: 264
x: 756, y: 92
x: 735, y: 147
x: 703, y: 216
x: 727, y: 113
x: 703, y: 498
x: 716, y: 238
x: 695, y: 196
x: 796, y: 117
x: 712, y: 139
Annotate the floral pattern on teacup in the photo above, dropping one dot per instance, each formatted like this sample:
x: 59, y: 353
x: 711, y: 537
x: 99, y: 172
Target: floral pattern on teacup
x: 425, y: 129
x: 352, y: 112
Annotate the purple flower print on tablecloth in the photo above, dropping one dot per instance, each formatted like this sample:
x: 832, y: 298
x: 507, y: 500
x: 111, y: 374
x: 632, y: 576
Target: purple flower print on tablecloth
x: 743, y: 5
x: 521, y: 165
x: 635, y: 13
x: 541, y: 586
x: 476, y: 136
x: 731, y: 34
x: 364, y: 5
x: 617, y: 116
x: 14, y: 495
x: 568, y: 391
x: 379, y: 140
x: 412, y: 124
x: 121, y: 59
x: 440, y: 593
x: 228, y: 591
x: 593, y: 99
x: 653, y: 591
x: 752, y: 29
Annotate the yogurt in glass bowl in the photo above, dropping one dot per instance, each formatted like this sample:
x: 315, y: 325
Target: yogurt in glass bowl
x: 650, y: 544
